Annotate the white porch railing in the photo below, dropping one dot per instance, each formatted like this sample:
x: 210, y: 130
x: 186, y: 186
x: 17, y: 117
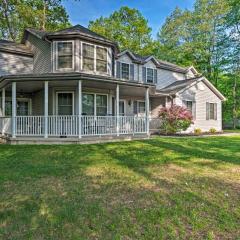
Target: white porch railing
x: 64, y: 126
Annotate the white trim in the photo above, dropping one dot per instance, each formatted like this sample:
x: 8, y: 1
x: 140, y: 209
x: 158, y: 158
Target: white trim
x: 56, y: 54
x: 73, y: 98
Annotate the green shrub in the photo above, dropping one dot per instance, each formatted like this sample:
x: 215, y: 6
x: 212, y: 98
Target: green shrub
x: 212, y: 130
x: 197, y: 131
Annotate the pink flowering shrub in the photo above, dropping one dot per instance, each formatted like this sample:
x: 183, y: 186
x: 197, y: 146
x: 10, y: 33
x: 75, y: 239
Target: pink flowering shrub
x: 175, y: 119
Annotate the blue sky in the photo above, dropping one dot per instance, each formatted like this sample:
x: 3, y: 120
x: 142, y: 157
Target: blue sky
x: 155, y: 11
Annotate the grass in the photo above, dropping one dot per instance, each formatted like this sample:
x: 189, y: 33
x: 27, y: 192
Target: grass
x: 232, y: 130
x: 163, y: 188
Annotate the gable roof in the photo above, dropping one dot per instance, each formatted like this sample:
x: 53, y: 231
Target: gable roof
x: 159, y: 63
x: 15, y: 48
x: 177, y: 86
x: 181, y: 85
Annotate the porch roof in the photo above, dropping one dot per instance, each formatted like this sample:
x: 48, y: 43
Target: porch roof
x: 4, y: 80
x: 30, y: 83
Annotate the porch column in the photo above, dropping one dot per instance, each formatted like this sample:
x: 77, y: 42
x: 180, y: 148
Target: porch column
x: 117, y: 108
x: 147, y: 109
x: 14, y: 109
x: 3, y: 102
x: 79, y: 109
x: 46, y: 109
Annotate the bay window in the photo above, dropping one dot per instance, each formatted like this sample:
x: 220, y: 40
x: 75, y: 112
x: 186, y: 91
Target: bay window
x: 94, y: 58
x: 88, y: 57
x: 101, y: 55
x: 64, y: 55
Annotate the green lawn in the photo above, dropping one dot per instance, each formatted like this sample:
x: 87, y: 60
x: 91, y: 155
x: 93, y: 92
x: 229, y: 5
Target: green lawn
x: 163, y: 188
x: 232, y: 130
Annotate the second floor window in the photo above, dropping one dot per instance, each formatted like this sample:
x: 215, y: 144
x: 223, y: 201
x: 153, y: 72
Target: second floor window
x: 88, y: 57
x: 150, y: 75
x: 94, y: 58
x: 125, y: 71
x: 101, y: 60
x: 65, y: 55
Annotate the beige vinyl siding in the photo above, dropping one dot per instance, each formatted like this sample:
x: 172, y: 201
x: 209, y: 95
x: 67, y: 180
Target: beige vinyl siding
x: 202, y: 94
x: 42, y: 54
x: 13, y: 64
x: 156, y: 104
x: 38, y: 103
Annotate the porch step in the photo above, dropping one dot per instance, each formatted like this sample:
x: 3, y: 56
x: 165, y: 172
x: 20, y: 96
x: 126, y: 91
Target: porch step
x: 83, y: 140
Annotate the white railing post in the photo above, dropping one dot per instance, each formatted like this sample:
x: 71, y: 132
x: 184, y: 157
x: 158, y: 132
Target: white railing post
x: 79, y: 109
x: 14, y: 109
x: 147, y: 109
x: 117, y: 108
x: 46, y: 109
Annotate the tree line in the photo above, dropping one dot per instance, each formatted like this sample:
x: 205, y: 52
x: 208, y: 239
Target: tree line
x: 208, y: 37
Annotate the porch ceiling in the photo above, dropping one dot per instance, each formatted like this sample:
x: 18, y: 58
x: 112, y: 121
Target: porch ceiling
x: 124, y: 90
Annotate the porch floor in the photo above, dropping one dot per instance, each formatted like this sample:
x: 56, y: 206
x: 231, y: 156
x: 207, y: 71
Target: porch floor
x: 71, y: 140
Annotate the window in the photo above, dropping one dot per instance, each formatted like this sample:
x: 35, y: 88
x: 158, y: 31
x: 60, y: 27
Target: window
x: 94, y: 58
x: 64, y: 55
x: 141, y: 107
x: 101, y: 105
x: 121, y: 108
x: 23, y: 107
x: 189, y: 106
x: 65, y: 103
x: 150, y: 75
x: 88, y: 57
x: 125, y: 71
x: 88, y: 104
x: 94, y: 104
x: 101, y: 59
x: 211, y: 111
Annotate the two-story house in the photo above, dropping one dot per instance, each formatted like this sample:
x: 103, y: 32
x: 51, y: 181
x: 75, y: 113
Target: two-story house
x: 75, y: 83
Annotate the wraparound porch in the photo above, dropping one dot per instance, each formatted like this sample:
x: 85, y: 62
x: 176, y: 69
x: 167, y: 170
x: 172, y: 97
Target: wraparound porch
x: 44, y: 117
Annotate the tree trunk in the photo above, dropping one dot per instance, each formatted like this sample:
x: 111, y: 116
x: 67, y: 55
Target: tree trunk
x: 235, y: 102
x: 43, y: 27
x: 5, y: 12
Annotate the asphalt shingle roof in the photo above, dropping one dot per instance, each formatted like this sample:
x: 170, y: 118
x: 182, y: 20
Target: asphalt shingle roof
x: 178, y: 86
x: 10, y: 46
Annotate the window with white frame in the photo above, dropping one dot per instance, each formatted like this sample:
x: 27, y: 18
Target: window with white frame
x: 211, y: 111
x: 101, y: 55
x: 189, y: 106
x: 141, y: 107
x: 88, y: 61
x: 125, y: 71
x: 64, y: 55
x: 101, y: 105
x: 94, y: 58
x: 94, y: 104
x: 150, y: 75
x: 65, y: 103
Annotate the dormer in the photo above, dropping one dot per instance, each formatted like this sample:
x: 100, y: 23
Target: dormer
x: 133, y: 67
